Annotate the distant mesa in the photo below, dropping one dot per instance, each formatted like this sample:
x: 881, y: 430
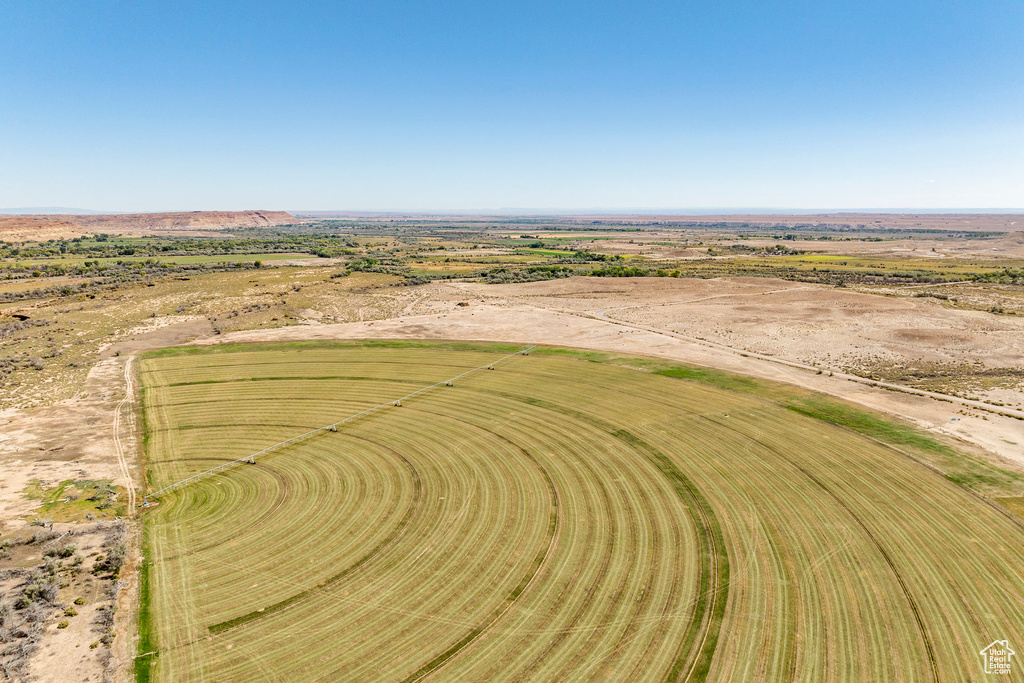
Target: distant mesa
x: 58, y: 226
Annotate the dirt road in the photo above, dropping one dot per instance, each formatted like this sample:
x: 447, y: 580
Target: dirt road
x: 1001, y: 437
x: 603, y: 315
x: 119, y: 450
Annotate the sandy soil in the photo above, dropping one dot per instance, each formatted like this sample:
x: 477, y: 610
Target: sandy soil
x: 807, y: 323
x: 558, y: 312
x: 843, y: 330
x: 64, y: 654
x: 72, y: 439
x: 68, y: 439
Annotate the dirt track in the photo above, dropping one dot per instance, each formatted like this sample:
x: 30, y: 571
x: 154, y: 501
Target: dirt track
x: 560, y: 313
x: 73, y: 439
x: 603, y: 316
x: 702, y: 322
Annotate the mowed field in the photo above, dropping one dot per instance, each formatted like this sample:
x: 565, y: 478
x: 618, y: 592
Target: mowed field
x: 555, y: 519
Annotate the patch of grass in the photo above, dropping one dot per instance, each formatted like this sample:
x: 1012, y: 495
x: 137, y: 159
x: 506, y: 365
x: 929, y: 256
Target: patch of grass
x: 968, y: 471
x: 862, y: 422
x: 72, y: 500
x: 592, y: 356
x: 714, y: 378
x: 1014, y: 504
x: 145, y: 660
x: 775, y: 481
x: 693, y: 373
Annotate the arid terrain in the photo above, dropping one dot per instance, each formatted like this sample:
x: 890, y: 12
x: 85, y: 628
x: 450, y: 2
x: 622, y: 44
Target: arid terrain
x: 925, y: 328
x: 65, y: 448
x: 134, y: 224
x: 801, y: 325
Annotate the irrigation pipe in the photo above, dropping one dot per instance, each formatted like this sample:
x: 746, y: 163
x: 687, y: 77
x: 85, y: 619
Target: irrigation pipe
x: 333, y: 427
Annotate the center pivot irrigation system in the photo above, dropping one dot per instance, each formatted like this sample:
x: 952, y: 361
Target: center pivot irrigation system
x: 333, y: 427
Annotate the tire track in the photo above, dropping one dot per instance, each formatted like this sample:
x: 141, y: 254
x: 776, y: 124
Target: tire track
x: 603, y: 316
x: 122, y: 460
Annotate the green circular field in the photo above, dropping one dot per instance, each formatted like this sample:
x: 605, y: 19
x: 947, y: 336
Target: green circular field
x: 556, y: 519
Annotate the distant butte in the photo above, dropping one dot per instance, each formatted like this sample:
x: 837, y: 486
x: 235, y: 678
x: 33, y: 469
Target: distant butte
x: 44, y: 227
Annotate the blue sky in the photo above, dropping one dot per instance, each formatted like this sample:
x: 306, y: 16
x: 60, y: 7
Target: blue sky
x: 381, y: 105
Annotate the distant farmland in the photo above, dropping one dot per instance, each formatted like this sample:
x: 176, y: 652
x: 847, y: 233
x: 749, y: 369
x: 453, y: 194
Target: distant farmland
x: 556, y: 519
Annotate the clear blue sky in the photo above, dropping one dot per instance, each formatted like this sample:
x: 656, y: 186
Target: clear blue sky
x: 384, y: 105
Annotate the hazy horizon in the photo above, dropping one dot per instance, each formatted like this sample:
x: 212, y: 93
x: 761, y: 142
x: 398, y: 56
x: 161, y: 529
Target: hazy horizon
x: 526, y: 211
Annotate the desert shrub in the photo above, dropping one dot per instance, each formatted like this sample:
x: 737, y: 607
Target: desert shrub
x: 116, y: 548
x: 39, y: 588
x: 42, y: 536
x: 63, y: 624
x: 622, y: 271
x: 51, y: 565
x: 66, y: 550
x: 531, y: 274
x: 103, y: 496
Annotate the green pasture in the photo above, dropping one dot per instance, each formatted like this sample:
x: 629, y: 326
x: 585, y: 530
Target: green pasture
x: 567, y: 516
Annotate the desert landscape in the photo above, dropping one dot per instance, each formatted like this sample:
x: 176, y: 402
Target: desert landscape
x: 58, y: 226
x: 564, y: 342
x: 118, y: 347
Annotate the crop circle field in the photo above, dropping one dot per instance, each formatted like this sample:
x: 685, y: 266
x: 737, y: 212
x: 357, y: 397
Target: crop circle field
x: 561, y: 518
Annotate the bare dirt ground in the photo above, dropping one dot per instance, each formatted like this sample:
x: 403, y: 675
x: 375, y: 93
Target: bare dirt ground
x: 67, y: 654
x: 73, y: 439
x: 806, y: 323
x: 854, y: 325
x: 915, y: 340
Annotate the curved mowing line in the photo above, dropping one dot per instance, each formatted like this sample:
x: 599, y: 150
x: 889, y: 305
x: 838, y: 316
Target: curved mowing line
x: 284, y: 488
x: 524, y: 583
x: 333, y: 426
x: 286, y: 379
x: 878, y: 546
x: 376, y: 550
x: 701, y: 639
